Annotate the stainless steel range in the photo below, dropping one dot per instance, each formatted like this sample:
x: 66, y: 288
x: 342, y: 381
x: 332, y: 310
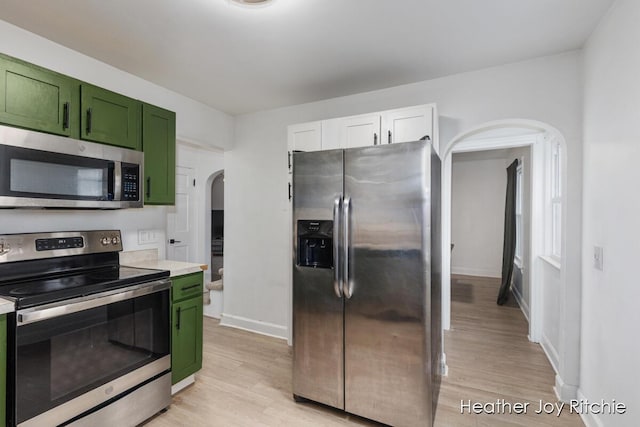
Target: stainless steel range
x: 89, y: 343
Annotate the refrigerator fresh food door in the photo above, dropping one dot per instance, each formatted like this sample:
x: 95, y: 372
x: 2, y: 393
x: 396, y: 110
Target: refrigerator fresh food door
x: 387, y: 315
x: 318, y: 337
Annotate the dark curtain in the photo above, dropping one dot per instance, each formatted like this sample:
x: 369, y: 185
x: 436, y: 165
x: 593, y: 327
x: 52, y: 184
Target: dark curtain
x: 509, y: 245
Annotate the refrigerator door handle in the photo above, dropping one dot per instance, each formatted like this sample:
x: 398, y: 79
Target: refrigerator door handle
x: 337, y: 279
x: 347, y: 283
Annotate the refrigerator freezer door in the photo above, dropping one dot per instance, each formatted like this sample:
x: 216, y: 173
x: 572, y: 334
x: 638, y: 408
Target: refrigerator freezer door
x: 387, y: 319
x: 318, y: 336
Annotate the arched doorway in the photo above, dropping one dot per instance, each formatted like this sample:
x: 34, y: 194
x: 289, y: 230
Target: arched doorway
x: 215, y: 240
x: 541, y: 137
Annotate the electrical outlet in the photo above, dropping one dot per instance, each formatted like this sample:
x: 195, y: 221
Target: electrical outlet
x: 598, y: 258
x: 146, y: 237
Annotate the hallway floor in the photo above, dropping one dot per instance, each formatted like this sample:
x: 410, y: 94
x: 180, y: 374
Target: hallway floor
x: 490, y: 358
x: 246, y: 378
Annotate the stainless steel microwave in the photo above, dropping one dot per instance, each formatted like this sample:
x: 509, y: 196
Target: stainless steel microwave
x: 40, y: 170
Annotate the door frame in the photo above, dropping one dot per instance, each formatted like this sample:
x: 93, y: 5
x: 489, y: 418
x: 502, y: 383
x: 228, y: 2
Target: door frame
x: 570, y: 293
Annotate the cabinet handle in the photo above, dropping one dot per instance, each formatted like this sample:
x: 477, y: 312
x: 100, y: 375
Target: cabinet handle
x: 389, y: 140
x: 178, y: 319
x: 289, y: 191
x: 89, y: 117
x: 289, y: 159
x: 186, y: 288
x: 65, y: 116
x: 375, y: 139
x: 148, y: 187
x: 425, y: 138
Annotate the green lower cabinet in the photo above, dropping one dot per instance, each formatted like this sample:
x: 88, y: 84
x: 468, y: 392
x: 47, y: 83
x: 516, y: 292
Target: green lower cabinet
x: 109, y: 118
x: 3, y: 370
x: 186, y: 326
x: 35, y: 98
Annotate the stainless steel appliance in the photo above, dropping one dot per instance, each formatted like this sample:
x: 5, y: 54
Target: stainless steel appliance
x: 43, y: 170
x: 89, y: 343
x: 366, y: 281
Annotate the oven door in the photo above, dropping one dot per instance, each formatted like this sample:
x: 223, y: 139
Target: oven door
x: 72, y: 356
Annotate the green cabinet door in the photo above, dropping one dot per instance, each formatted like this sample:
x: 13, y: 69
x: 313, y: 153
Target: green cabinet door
x: 159, y: 146
x: 186, y: 344
x: 3, y: 369
x: 109, y: 118
x: 35, y: 98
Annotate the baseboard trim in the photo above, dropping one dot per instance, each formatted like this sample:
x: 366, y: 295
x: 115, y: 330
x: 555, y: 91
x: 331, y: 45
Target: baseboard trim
x: 565, y: 392
x: 475, y: 272
x: 255, y: 326
x: 552, y: 354
x: 524, y: 307
x: 589, y: 419
x: 182, y: 384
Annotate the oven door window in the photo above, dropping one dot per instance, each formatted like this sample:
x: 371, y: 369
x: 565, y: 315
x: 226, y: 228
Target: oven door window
x: 41, y: 174
x: 64, y: 357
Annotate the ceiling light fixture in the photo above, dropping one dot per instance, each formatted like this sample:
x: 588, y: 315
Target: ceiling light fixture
x: 253, y: 2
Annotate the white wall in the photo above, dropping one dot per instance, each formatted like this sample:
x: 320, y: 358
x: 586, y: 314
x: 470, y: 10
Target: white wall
x: 551, y: 308
x: 478, y: 190
x: 257, y: 249
x: 195, y: 122
x: 610, y: 341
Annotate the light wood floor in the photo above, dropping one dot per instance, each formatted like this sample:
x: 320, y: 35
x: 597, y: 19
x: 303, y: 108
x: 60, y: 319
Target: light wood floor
x: 246, y: 378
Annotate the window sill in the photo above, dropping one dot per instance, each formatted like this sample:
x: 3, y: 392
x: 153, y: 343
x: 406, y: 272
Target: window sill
x: 552, y: 261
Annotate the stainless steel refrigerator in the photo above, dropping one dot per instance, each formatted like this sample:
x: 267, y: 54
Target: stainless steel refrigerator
x: 366, y: 281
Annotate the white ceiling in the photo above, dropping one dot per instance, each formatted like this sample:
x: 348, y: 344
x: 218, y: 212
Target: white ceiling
x: 239, y: 60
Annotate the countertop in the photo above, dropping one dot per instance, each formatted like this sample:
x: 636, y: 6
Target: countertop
x: 6, y: 306
x: 148, y: 258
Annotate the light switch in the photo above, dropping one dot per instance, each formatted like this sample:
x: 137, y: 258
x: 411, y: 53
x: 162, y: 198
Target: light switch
x: 598, y: 258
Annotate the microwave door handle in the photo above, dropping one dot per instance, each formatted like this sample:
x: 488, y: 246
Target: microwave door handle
x: 337, y: 279
x: 117, y: 181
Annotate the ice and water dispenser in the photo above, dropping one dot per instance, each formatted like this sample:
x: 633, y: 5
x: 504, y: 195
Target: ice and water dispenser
x: 315, y: 243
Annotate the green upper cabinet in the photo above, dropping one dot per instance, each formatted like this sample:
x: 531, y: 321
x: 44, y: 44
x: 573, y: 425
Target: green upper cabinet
x: 35, y: 98
x: 109, y: 118
x: 159, y: 146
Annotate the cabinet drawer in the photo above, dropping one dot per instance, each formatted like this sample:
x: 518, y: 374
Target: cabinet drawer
x: 184, y: 287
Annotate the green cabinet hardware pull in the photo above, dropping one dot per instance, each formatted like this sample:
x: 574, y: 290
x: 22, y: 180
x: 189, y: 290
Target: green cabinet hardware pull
x: 65, y: 116
x: 89, y: 115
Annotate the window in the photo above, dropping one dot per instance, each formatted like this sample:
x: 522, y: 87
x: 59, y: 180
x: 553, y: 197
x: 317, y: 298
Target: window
x: 519, y: 226
x: 555, y: 199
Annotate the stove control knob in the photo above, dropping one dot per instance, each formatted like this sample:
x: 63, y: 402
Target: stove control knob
x: 115, y: 240
x: 105, y: 241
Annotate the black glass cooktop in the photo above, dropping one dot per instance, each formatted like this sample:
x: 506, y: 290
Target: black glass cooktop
x: 60, y: 286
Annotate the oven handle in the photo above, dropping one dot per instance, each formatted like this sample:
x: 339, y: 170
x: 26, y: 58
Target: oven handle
x: 49, y: 311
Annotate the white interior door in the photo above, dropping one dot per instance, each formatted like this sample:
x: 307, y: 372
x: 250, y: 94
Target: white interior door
x: 181, y: 218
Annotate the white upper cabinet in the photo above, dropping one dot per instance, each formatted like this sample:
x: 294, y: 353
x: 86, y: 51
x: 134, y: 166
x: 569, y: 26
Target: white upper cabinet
x: 408, y: 124
x: 305, y: 136
x: 384, y: 127
x: 360, y: 131
x: 332, y: 134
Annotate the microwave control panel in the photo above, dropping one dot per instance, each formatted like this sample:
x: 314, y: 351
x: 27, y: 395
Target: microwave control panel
x: 130, y: 182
